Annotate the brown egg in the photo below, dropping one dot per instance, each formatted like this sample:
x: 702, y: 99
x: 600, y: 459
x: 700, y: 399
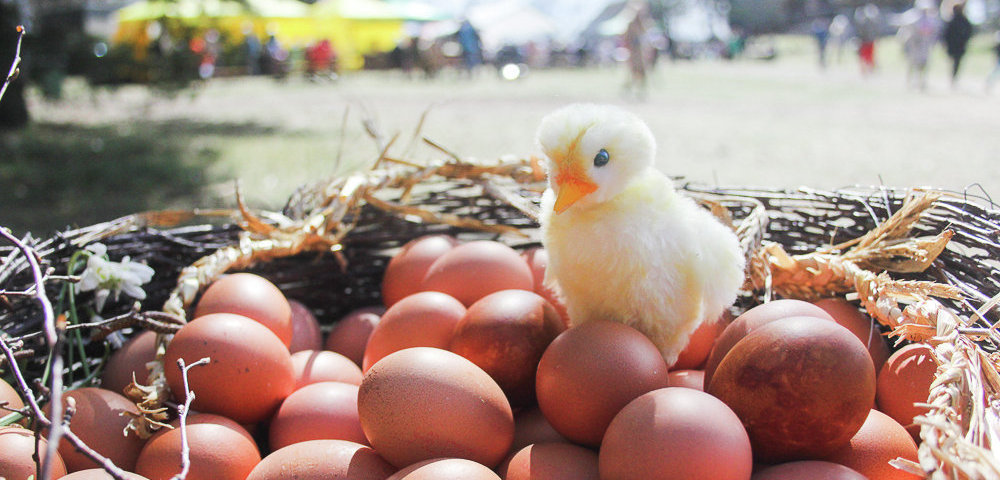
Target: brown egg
x: 538, y: 259
x: 675, y: 433
x: 505, y: 333
x: 17, y: 446
x: 253, y: 297
x: 314, y: 366
x: 755, y: 318
x: 250, y: 372
x: 861, y: 325
x: 687, y: 378
x: 808, y: 470
x: 424, y: 319
x: 445, y: 469
x: 350, y: 334
x: 879, y: 440
x: 905, y: 381
x: 802, y: 387
x: 99, y: 474
x: 100, y: 421
x: 473, y: 270
x: 530, y: 426
x: 322, y: 460
x: 325, y: 410
x: 551, y: 461
x: 9, y: 397
x: 407, y: 268
x: 306, y: 334
x: 422, y: 403
x: 220, y: 449
x: 130, y: 359
x: 590, y: 372
x: 695, y: 354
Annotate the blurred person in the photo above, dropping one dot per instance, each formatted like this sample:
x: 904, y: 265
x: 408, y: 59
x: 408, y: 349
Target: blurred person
x: 867, y: 23
x: 821, y: 32
x: 840, y: 33
x: 320, y: 58
x: 957, y: 32
x: 472, y: 46
x: 635, y: 40
x: 254, y: 52
x: 275, y: 58
x: 918, y: 33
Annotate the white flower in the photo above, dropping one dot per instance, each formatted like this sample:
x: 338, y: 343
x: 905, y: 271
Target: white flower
x: 107, y: 278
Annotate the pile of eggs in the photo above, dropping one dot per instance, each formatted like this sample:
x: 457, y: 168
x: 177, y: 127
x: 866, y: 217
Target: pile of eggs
x: 471, y: 371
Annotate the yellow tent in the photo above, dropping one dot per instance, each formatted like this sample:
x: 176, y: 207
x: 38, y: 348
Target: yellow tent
x: 354, y: 27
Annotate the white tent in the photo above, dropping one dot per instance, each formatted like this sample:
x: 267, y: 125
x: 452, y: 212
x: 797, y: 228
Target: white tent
x: 508, y: 23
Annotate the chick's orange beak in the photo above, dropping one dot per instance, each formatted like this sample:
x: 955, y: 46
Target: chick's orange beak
x: 572, y: 187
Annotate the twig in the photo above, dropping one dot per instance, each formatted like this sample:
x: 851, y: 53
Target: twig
x: 17, y: 62
x: 183, y: 411
x: 53, y: 337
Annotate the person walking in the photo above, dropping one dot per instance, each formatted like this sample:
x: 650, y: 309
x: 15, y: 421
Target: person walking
x: 957, y: 33
x: 919, y: 33
x: 867, y: 23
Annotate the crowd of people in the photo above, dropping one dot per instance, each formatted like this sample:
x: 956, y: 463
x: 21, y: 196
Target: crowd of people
x: 919, y: 32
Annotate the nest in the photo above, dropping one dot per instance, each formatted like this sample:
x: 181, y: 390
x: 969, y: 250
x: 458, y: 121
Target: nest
x: 925, y: 264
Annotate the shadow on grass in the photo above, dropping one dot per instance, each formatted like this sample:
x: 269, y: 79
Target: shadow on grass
x: 57, y: 175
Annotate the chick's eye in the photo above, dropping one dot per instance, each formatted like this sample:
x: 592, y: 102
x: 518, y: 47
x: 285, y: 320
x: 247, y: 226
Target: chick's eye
x: 602, y: 158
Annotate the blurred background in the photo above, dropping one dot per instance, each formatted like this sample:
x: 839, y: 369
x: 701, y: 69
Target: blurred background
x: 123, y: 105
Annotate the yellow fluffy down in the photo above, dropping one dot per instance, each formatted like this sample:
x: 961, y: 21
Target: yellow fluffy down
x: 636, y: 252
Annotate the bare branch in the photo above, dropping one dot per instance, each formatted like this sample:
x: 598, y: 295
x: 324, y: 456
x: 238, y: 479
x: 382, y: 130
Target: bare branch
x: 183, y: 409
x: 17, y: 62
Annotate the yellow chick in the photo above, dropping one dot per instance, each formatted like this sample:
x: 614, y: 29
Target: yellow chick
x: 623, y: 245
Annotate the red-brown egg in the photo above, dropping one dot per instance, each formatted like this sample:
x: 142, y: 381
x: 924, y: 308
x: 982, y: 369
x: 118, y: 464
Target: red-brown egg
x: 551, y: 461
x: 808, y: 470
x: 801, y: 386
x: 249, y: 374
x: 314, y: 366
x: 99, y: 420
x: 675, y: 433
x: 99, y: 474
x: 251, y: 296
x: 325, y: 410
x: 220, y: 449
x: 407, y: 267
x: 424, y: 319
x: 590, y: 372
x: 306, y: 334
x: 349, y: 336
x: 9, y: 397
x: 130, y: 359
x: 538, y: 259
x: 445, y: 469
x: 687, y: 378
x: 322, y: 460
x: 423, y: 403
x: 530, y: 426
x: 505, y: 333
x: 905, y: 381
x: 753, y: 319
x: 879, y: 440
x: 17, y: 448
x: 695, y: 354
x: 473, y: 270
x: 861, y: 325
